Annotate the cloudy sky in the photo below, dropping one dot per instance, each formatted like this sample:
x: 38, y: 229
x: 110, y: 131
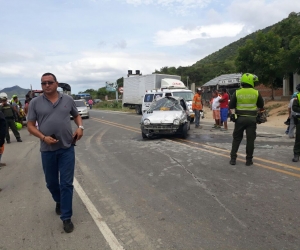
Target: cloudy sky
x: 88, y: 42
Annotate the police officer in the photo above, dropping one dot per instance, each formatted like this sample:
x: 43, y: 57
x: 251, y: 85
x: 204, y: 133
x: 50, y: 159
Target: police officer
x: 245, y: 101
x: 296, y: 108
x: 197, y: 105
x: 9, y: 115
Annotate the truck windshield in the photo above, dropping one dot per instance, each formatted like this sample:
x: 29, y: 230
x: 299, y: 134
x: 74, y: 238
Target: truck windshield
x: 187, y: 96
x: 148, y: 98
x: 165, y: 104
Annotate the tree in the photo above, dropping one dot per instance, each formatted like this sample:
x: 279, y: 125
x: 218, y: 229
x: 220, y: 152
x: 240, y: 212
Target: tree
x: 263, y: 57
x: 120, y: 82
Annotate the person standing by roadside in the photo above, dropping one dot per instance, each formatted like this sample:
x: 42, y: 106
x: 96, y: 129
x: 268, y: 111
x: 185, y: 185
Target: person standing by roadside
x: 292, y: 125
x: 215, y: 106
x: 52, y: 111
x: 245, y: 101
x: 197, y: 106
x: 224, y: 109
x: 2, y: 136
x: 90, y: 102
x: 10, y: 117
x: 296, y: 109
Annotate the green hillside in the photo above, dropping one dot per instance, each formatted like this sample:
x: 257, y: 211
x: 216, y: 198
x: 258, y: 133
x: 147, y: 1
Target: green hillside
x: 229, y: 52
x: 227, y: 60
x: 15, y: 90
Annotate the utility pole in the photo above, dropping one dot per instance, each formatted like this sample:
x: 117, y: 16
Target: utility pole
x: 187, y: 79
x: 116, y: 87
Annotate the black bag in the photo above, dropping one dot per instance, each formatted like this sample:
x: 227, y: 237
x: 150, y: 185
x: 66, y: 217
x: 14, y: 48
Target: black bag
x: 288, y: 121
x: 233, y: 117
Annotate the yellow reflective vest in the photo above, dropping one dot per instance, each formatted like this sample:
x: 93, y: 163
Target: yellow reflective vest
x: 246, y: 101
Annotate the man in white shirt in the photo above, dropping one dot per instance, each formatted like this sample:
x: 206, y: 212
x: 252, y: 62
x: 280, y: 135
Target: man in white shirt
x: 215, y: 106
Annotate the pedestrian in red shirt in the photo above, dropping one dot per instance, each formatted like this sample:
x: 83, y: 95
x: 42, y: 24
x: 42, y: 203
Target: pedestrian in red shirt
x: 224, y: 108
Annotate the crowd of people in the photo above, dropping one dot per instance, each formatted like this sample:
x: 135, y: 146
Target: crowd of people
x: 57, y: 141
x: 242, y: 108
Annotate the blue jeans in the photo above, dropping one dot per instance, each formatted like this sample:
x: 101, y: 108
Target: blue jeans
x: 197, y: 117
x: 59, y: 168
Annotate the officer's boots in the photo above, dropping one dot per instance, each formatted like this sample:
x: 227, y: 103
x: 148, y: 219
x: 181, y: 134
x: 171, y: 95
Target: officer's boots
x: 232, y: 161
x: 296, y: 158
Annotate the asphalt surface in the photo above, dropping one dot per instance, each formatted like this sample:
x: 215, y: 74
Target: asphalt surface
x: 163, y: 193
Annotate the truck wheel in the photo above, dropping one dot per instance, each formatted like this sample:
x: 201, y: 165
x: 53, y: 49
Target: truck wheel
x: 138, y: 109
x: 184, y: 131
x: 144, y: 136
x: 192, y: 120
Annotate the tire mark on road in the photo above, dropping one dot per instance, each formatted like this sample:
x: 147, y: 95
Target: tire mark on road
x: 207, y: 190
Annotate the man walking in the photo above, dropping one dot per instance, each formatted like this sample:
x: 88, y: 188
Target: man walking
x: 52, y: 111
x: 197, y: 106
x: 10, y: 117
x: 245, y: 101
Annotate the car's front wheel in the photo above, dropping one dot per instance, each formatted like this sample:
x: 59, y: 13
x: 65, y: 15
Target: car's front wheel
x: 185, y: 129
x: 144, y: 135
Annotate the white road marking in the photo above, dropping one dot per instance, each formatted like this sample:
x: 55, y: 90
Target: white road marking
x: 98, y: 219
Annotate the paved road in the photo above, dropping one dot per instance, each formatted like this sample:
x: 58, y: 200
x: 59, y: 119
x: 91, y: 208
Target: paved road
x: 163, y: 193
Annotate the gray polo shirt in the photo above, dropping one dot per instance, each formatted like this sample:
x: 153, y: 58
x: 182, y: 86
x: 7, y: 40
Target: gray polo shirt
x: 54, y: 119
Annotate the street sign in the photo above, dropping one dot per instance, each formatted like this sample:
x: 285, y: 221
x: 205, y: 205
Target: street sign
x: 111, y: 86
x: 121, y: 90
x: 110, y: 89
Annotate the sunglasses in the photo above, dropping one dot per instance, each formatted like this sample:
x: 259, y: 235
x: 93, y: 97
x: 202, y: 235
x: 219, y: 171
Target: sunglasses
x: 45, y: 83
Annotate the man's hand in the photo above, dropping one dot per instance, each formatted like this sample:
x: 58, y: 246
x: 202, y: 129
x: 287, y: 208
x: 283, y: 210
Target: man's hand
x: 49, y: 140
x: 79, y: 133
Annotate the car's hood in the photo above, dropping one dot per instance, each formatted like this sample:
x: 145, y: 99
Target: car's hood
x: 81, y: 108
x: 163, y: 116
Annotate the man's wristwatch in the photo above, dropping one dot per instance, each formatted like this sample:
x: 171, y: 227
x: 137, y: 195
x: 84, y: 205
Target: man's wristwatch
x: 81, y: 127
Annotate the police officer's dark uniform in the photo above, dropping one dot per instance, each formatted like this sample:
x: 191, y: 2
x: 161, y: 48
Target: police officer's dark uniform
x: 245, y: 101
x: 296, y: 108
x: 9, y: 115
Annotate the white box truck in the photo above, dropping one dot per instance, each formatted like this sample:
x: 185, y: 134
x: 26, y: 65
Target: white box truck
x: 134, y: 88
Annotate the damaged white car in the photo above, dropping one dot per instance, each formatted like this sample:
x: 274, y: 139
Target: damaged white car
x: 166, y: 116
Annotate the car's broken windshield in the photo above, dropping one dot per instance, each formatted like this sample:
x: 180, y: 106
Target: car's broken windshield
x: 165, y: 104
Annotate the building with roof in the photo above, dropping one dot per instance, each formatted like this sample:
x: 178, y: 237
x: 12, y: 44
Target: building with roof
x: 227, y: 81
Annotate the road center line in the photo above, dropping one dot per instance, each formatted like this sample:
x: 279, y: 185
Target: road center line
x: 98, y: 219
x: 210, y: 150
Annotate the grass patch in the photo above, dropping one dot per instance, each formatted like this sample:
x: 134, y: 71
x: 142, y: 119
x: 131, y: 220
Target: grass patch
x: 282, y: 113
x: 112, y: 105
x: 274, y: 106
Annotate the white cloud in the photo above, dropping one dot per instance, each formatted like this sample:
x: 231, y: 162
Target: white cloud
x: 180, y: 36
x: 11, y: 70
x: 91, y: 70
x: 189, y: 3
x: 261, y: 13
x: 181, y: 7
